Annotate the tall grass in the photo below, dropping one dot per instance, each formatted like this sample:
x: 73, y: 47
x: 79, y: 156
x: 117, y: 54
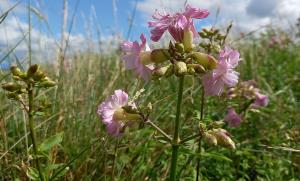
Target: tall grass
x: 268, y: 140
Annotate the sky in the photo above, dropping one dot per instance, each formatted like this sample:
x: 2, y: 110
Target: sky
x: 111, y: 18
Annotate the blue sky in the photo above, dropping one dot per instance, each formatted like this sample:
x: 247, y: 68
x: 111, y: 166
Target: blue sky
x: 247, y: 15
x: 52, y: 10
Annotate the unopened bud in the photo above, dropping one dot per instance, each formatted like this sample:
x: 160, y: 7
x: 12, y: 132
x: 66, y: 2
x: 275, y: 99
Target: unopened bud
x: 149, y: 107
x: 180, y: 68
x: 210, y: 139
x: 16, y: 71
x: 203, y: 34
x: 179, y: 47
x: 159, y: 55
x: 47, y: 83
x: 13, y: 95
x: 191, y: 70
x: 188, y: 40
x: 10, y: 86
x: 32, y: 70
x: 121, y: 114
x: 145, y: 58
x: 223, y: 138
x: 198, y: 68
x: 170, y: 71
x: 39, y: 75
x: 207, y: 61
x: 160, y: 71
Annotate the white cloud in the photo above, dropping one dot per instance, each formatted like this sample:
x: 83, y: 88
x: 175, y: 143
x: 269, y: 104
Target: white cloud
x: 247, y: 15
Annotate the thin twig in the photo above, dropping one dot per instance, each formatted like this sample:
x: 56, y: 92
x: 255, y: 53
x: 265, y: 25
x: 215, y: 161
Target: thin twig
x: 159, y: 130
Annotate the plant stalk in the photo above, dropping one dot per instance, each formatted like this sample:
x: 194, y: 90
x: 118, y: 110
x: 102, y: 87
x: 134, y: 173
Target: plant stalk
x: 32, y: 131
x: 199, y: 143
x: 176, y: 139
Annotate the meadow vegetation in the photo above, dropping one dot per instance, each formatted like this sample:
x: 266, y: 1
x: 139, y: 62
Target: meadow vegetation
x: 267, y: 141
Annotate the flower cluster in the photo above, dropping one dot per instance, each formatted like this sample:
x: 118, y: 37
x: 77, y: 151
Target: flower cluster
x: 183, y: 57
x: 252, y: 97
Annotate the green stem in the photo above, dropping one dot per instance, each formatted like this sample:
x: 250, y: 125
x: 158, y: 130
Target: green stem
x: 199, y: 143
x: 176, y: 139
x: 159, y: 130
x: 114, y: 161
x: 32, y: 131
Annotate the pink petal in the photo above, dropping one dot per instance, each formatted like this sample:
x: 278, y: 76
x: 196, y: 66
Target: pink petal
x: 232, y: 118
x: 195, y: 12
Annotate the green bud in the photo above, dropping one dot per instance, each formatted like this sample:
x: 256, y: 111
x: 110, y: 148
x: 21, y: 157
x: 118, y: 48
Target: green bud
x: 16, y: 71
x: 160, y: 71
x: 179, y: 47
x: 210, y: 139
x: 180, y: 68
x: 191, y: 70
x: 121, y: 114
x: 11, y: 87
x: 223, y: 139
x: 39, y: 75
x: 14, y: 96
x: 149, y: 107
x: 203, y: 34
x: 32, y: 70
x: 46, y: 82
x: 207, y: 61
x: 197, y: 68
x: 188, y: 40
x: 159, y: 55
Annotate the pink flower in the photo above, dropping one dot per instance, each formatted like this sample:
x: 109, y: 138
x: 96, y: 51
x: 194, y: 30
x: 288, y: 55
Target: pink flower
x: 137, y: 57
x: 224, y: 74
x: 108, y: 108
x: 176, y: 23
x: 260, y: 100
x: 232, y: 118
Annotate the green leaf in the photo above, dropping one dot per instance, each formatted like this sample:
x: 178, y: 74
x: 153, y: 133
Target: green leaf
x: 50, y: 142
x: 32, y: 173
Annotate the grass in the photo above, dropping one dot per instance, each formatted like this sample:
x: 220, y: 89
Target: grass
x: 267, y: 142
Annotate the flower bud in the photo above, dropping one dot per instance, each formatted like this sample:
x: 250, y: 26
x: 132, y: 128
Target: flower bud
x: 198, y: 68
x: 46, y: 82
x: 179, y: 47
x: 203, y: 34
x: 223, y: 139
x: 121, y: 114
x: 16, y: 71
x: 13, y: 95
x: 39, y: 75
x: 207, y: 61
x: 180, y: 68
x: 210, y: 139
x: 145, y: 58
x: 160, y: 71
x: 11, y: 87
x: 191, y: 70
x: 160, y: 55
x: 32, y: 70
x: 188, y: 40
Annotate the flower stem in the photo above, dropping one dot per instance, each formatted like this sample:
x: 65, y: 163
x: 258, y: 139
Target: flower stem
x: 31, y: 127
x: 159, y: 130
x: 114, y: 161
x: 176, y: 139
x: 199, y: 143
